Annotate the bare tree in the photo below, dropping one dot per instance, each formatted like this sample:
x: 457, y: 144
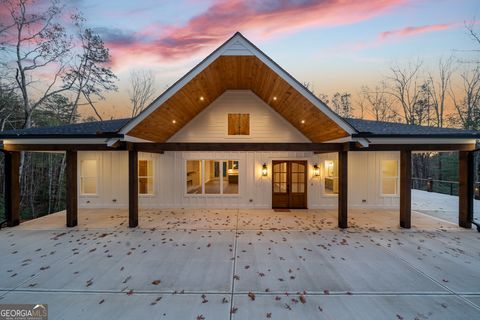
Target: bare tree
x: 324, y: 98
x: 378, y: 103
x: 467, y: 102
x: 403, y: 85
x: 142, y: 88
x: 474, y: 34
x: 438, y: 88
x: 90, y: 75
x: 342, y: 104
x: 38, y: 41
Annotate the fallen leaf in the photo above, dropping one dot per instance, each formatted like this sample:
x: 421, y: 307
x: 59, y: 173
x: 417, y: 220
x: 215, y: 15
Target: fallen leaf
x: 156, y: 282
x: 251, y: 295
x: 302, y: 298
x: 89, y: 282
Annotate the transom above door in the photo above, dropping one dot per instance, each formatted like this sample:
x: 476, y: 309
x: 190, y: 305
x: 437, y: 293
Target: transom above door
x: 289, y: 184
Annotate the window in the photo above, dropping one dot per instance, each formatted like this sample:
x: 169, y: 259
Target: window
x: 331, y: 176
x: 212, y: 176
x: 194, y: 176
x: 88, y: 177
x: 280, y: 178
x: 145, y: 176
x: 230, y: 177
x: 389, y: 177
x: 238, y: 124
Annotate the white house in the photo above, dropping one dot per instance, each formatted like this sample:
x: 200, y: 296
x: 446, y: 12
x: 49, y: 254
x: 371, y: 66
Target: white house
x: 238, y: 131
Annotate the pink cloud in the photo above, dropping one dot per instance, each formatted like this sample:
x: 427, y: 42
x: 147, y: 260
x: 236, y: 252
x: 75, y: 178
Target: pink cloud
x: 415, y: 30
x: 258, y: 19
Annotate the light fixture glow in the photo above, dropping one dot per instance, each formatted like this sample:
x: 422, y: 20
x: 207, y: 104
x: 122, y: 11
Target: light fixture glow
x: 174, y: 121
x: 202, y: 98
x: 274, y: 98
x: 264, y: 170
x: 303, y: 121
x: 316, y: 170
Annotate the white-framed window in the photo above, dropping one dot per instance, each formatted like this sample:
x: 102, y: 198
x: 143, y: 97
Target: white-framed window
x: 88, y: 177
x: 331, y: 177
x: 389, y: 177
x: 212, y: 177
x: 145, y: 177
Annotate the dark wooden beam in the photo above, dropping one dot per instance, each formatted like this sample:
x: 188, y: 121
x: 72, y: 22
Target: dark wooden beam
x: 414, y: 147
x: 405, y: 189
x: 343, y: 189
x: 71, y: 188
x: 240, y: 146
x: 132, y: 188
x: 62, y: 147
x: 12, y: 188
x: 466, y: 189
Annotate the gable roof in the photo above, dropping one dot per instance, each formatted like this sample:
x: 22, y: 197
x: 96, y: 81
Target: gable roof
x: 383, y: 129
x: 237, y: 64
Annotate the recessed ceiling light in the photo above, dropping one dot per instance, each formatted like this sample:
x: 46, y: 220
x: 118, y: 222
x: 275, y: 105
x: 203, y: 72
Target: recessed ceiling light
x: 174, y: 121
x: 202, y: 98
x: 274, y: 98
x: 303, y: 121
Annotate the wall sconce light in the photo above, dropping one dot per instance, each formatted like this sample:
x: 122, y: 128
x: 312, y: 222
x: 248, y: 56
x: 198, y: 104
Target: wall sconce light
x: 264, y: 170
x: 316, y: 170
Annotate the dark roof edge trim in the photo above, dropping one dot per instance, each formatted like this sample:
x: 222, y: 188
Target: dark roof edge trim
x: 60, y: 136
x: 427, y: 136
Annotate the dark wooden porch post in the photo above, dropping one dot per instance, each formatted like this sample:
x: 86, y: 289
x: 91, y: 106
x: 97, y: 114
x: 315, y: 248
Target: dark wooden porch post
x: 406, y: 189
x: 132, y: 188
x: 12, y: 188
x: 465, y: 189
x: 343, y: 189
x: 72, y: 192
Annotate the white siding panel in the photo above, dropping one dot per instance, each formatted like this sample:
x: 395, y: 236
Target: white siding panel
x: 266, y: 125
x: 255, y: 191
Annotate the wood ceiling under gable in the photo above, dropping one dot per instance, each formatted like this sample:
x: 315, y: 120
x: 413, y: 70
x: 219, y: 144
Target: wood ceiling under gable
x: 237, y: 73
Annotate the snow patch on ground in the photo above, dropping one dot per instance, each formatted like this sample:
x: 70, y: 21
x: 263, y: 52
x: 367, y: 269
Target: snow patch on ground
x: 439, y: 205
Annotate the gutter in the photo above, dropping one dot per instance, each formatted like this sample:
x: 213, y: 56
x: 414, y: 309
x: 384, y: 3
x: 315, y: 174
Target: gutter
x: 440, y: 136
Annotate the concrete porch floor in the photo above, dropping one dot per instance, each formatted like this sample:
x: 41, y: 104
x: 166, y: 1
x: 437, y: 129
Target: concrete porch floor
x: 202, y: 264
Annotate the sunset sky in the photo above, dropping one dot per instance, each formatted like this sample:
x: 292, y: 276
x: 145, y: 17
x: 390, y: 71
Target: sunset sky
x: 336, y: 45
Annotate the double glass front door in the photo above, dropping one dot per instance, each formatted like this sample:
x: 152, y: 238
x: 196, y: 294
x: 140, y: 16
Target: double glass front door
x: 289, y: 184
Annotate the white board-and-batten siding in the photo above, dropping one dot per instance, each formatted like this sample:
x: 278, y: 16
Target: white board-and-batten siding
x: 255, y: 191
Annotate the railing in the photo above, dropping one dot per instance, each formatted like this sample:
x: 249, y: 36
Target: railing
x: 441, y: 186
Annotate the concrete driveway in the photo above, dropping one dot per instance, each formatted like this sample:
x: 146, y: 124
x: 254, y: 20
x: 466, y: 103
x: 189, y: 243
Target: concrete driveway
x: 242, y: 264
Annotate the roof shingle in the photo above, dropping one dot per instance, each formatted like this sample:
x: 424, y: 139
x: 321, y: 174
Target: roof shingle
x: 108, y: 128
x: 365, y: 128
x: 371, y: 128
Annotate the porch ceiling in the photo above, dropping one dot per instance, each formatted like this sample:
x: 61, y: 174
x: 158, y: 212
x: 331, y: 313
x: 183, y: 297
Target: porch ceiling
x: 237, y: 73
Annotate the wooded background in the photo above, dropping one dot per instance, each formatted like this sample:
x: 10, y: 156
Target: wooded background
x: 49, y: 67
